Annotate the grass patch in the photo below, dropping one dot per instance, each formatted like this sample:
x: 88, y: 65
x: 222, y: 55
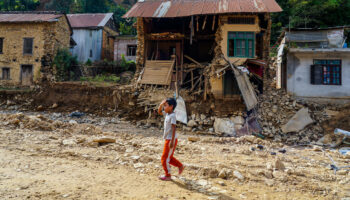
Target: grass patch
x: 102, y: 78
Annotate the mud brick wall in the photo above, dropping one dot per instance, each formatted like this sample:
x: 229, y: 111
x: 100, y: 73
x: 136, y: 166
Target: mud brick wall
x: 47, y: 38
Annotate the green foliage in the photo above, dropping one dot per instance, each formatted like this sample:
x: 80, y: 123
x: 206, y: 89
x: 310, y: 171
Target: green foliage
x: 102, y: 78
x: 60, y: 5
x: 88, y: 62
x: 310, y: 14
x: 19, y: 5
x: 64, y: 64
x: 125, y: 29
x: 126, y: 65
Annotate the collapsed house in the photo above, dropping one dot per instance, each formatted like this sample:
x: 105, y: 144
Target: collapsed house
x: 188, y: 43
x: 94, y: 34
x: 314, y: 63
x: 28, y: 43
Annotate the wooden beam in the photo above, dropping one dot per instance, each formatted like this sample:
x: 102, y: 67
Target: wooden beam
x: 213, y: 26
x: 193, y: 60
x: 204, y: 23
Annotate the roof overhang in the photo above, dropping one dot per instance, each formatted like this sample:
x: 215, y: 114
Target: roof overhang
x: 319, y: 50
x: 185, y: 8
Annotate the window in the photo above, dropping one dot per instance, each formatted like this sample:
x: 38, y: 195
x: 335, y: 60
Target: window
x: 326, y: 72
x: 1, y: 45
x: 241, y: 20
x: 131, y: 50
x: 90, y: 53
x: 241, y: 44
x: 6, y: 73
x: 28, y: 46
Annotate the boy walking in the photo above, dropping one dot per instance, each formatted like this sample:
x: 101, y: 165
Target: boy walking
x: 170, y: 138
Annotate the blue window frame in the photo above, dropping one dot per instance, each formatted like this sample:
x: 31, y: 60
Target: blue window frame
x: 241, y: 44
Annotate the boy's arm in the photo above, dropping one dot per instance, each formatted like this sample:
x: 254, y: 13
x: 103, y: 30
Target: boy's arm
x: 173, y: 128
x: 160, y: 108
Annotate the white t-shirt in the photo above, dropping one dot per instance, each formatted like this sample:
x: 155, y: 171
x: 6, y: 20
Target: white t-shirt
x: 168, y: 121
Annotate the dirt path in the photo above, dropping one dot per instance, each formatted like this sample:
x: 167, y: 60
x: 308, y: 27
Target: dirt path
x: 46, y: 159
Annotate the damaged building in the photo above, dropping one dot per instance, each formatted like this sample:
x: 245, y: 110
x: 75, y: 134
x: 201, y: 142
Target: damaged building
x: 314, y: 63
x: 190, y: 42
x: 28, y: 42
x: 94, y: 34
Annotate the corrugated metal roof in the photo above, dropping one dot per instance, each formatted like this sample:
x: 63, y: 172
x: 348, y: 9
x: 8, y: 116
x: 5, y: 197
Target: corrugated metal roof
x: 28, y: 17
x: 183, y: 8
x: 89, y: 20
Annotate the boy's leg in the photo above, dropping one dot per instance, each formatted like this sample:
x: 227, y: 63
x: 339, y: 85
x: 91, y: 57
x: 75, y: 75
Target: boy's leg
x: 166, y: 158
x: 173, y: 160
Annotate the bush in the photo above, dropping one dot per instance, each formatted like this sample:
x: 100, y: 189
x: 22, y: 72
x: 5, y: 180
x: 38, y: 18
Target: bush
x: 65, y: 65
x: 127, y: 65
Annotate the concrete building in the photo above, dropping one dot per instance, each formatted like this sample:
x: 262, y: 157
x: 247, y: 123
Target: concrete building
x: 125, y: 45
x: 316, y: 63
x: 94, y: 34
x: 28, y: 43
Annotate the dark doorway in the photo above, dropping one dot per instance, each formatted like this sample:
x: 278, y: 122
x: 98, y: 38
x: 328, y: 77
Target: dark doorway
x: 26, y: 74
x: 230, y: 84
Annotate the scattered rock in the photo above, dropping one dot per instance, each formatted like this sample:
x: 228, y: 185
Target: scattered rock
x: 55, y: 105
x: 138, y: 165
x: 193, y: 139
x: 279, y: 165
x: 298, y: 122
x: 40, y: 108
x: 224, y: 125
x: 222, y: 174
x: 69, y: 142
x: 269, y: 182
x: 72, y: 121
x: 238, y: 175
x: 192, y: 123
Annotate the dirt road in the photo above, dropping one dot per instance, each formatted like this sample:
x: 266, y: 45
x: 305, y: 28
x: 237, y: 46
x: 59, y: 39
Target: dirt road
x: 42, y: 158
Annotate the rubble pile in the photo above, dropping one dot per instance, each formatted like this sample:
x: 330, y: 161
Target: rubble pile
x: 278, y: 110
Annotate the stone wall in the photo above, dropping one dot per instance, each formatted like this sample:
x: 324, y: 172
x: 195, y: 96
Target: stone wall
x: 47, y: 38
x: 140, y: 52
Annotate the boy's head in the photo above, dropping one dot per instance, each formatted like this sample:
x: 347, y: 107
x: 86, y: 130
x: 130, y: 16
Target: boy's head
x: 170, y: 105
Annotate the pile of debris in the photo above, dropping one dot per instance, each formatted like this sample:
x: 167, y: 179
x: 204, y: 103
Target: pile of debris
x: 286, y: 119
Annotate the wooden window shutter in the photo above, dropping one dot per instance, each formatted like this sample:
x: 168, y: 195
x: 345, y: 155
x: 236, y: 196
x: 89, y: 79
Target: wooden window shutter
x: 316, y: 74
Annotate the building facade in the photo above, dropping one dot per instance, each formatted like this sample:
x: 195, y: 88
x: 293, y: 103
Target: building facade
x: 28, y: 43
x: 94, y: 34
x: 125, y: 45
x: 316, y: 64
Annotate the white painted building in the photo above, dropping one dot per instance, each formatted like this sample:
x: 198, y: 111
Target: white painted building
x: 316, y: 64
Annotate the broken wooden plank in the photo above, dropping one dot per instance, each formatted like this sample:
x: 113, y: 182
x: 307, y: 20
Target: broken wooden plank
x: 194, y: 61
x: 249, y: 96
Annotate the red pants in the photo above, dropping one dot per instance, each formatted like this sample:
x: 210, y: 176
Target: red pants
x: 168, y: 157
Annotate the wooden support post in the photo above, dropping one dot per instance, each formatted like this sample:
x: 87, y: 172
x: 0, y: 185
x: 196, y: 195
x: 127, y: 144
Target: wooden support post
x: 191, y: 78
x: 192, y: 31
x: 204, y: 23
x: 197, y: 19
x: 205, y: 87
x: 182, y: 61
x: 213, y: 26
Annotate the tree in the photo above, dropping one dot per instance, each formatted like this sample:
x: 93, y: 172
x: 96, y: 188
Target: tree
x: 19, y: 5
x: 60, y: 5
x: 310, y: 14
